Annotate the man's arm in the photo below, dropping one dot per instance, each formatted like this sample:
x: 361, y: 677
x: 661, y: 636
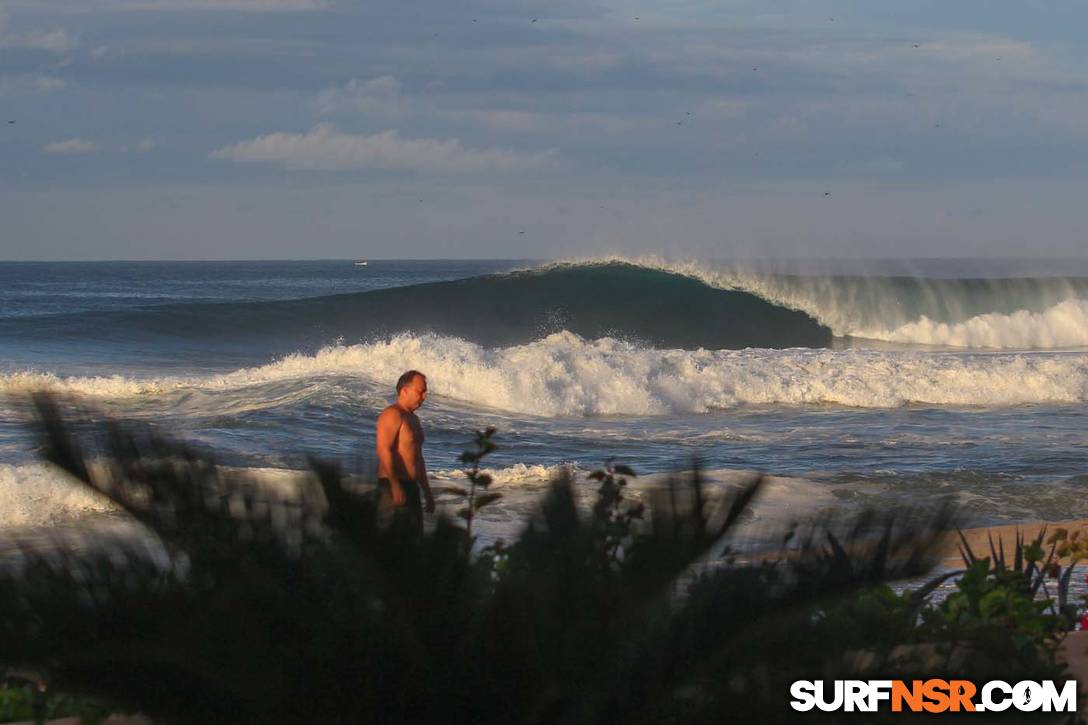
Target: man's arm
x: 389, y: 423
x: 425, y: 483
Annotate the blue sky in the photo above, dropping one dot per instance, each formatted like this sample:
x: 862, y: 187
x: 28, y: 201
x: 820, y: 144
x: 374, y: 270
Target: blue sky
x: 204, y: 129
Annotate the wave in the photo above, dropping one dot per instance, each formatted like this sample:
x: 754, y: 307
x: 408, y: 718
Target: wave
x: 1063, y: 325
x: 566, y: 375
x: 648, y: 300
x: 970, y: 312
x: 652, y: 306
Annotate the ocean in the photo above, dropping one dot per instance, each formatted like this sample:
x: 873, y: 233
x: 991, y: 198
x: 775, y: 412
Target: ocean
x: 848, y: 383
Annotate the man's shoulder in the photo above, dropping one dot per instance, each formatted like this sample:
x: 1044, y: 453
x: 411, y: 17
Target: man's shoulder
x: 391, y: 414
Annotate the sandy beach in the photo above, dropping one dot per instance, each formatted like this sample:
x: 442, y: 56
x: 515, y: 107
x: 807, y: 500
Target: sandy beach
x: 979, y: 538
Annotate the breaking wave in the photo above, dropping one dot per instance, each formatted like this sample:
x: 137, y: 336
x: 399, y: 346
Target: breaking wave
x: 657, y: 303
x: 655, y: 307
x: 973, y: 312
x: 566, y: 375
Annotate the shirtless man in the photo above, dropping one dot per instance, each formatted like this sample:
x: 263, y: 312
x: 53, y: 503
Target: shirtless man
x: 401, y: 470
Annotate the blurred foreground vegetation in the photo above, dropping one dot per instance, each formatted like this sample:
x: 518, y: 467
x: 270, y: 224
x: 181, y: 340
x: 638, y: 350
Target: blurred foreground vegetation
x: 266, y: 609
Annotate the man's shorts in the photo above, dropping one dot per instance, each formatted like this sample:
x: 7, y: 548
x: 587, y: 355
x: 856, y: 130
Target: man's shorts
x: 412, y: 509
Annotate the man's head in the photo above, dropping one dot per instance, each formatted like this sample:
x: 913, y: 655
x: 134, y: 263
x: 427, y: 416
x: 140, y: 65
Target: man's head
x: 411, y: 390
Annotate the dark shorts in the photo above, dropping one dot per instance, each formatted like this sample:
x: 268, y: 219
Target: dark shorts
x: 411, y: 510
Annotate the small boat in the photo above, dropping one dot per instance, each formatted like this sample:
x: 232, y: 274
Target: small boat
x: 361, y: 263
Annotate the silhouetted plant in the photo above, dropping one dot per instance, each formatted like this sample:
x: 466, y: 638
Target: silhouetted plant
x: 483, y: 444
x: 614, y: 519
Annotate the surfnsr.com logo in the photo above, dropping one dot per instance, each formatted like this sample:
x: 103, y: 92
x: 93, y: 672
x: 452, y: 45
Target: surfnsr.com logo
x: 933, y: 696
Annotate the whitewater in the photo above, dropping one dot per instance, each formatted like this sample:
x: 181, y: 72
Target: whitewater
x: 565, y: 375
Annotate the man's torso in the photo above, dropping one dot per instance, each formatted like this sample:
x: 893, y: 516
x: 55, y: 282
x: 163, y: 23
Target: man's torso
x: 408, y: 447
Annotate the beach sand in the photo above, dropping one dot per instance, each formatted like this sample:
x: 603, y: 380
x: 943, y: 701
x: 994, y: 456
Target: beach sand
x: 979, y: 538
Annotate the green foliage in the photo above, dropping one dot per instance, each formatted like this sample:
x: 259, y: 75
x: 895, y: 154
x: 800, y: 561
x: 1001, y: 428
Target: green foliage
x: 28, y: 702
x: 1025, y: 577
x: 997, y: 624
x: 267, y: 610
x: 16, y: 704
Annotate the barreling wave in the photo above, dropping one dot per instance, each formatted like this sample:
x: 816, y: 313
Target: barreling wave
x: 566, y: 375
x: 998, y: 313
x: 655, y: 307
x: 658, y: 303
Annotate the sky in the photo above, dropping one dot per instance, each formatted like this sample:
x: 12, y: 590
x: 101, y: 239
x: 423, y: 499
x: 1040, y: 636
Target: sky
x: 298, y: 129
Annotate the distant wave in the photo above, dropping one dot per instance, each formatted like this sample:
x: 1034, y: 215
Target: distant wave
x: 566, y: 375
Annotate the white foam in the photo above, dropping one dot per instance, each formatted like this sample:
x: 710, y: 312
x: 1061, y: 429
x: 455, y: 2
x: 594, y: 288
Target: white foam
x: 1063, y: 325
x: 566, y: 375
x: 39, y: 494
x: 517, y: 473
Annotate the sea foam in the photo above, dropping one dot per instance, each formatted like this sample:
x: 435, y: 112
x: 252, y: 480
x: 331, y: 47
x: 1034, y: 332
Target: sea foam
x: 38, y: 494
x: 1063, y: 325
x: 565, y: 375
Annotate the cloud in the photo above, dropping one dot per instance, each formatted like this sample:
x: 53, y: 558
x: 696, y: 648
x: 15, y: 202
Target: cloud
x: 71, y: 146
x: 54, y: 41
x: 378, y: 95
x: 29, y: 84
x: 504, y: 120
x: 142, y: 146
x: 325, y: 148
